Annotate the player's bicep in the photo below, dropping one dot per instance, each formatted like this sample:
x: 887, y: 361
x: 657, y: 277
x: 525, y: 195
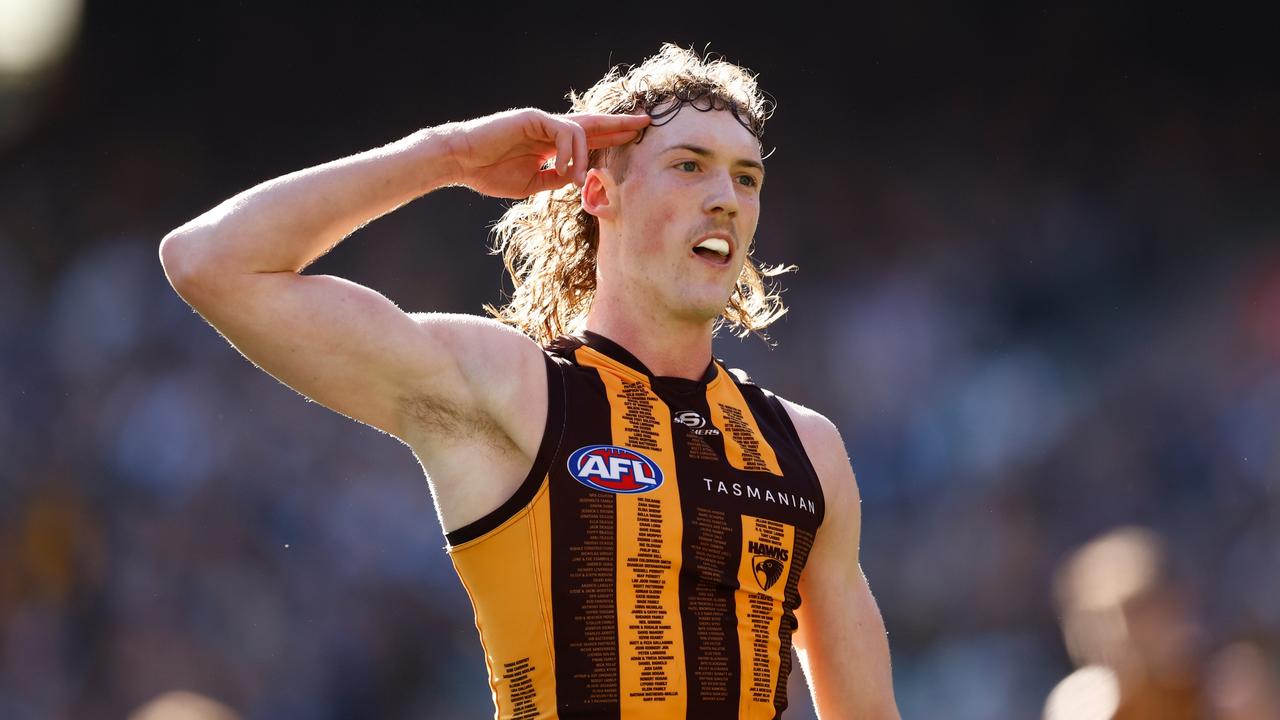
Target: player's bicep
x: 832, y: 569
x: 839, y: 535
x: 343, y: 345
x: 832, y: 578
x: 840, y: 635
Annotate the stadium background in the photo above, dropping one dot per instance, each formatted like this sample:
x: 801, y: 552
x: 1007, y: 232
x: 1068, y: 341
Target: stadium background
x: 1039, y: 292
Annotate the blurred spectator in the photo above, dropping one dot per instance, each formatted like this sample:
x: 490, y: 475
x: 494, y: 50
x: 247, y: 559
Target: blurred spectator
x: 183, y: 705
x: 1131, y: 627
x: 1090, y: 693
x: 1243, y: 685
x: 1124, y: 617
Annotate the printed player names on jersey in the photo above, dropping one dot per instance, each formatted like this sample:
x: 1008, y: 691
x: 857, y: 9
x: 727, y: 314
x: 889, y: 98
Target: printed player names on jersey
x: 708, y: 608
x: 523, y: 695
x: 767, y: 551
x: 639, y: 419
x: 740, y: 431
x: 591, y: 574
x: 651, y: 637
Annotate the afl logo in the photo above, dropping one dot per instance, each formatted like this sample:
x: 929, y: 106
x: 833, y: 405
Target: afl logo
x: 614, y: 469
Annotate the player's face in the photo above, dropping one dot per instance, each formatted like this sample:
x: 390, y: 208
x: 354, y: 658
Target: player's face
x: 694, y: 179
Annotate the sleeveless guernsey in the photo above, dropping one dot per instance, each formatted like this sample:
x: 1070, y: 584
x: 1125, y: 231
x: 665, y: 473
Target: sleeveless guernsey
x: 648, y: 565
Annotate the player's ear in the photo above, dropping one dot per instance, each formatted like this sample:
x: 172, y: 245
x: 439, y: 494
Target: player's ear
x: 600, y: 194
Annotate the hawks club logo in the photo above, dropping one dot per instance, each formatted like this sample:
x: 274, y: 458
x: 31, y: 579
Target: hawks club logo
x: 614, y: 469
x: 767, y: 562
x: 767, y: 571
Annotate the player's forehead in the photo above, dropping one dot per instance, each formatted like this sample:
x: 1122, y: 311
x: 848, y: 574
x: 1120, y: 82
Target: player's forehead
x: 715, y: 130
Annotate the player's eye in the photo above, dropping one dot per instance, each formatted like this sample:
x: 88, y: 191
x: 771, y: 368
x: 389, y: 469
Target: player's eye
x: 748, y: 180
x: 688, y: 165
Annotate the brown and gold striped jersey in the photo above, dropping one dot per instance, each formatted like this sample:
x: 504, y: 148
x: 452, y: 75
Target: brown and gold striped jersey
x: 648, y: 565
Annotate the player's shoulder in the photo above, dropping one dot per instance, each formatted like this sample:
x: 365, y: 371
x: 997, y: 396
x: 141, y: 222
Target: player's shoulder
x: 476, y: 339
x: 826, y: 450
x: 476, y: 326
x: 499, y: 364
x: 819, y: 435
x: 820, y: 439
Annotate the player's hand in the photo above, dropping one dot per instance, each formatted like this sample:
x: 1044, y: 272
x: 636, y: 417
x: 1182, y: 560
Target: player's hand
x: 505, y: 155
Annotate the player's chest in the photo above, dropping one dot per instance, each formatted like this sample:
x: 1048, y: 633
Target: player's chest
x: 710, y: 454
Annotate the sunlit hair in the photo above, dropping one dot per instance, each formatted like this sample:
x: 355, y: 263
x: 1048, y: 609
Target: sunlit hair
x: 549, y: 242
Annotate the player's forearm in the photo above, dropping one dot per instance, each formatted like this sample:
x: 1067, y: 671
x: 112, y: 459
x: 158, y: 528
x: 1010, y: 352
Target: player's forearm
x: 860, y: 688
x: 847, y: 659
x: 286, y: 223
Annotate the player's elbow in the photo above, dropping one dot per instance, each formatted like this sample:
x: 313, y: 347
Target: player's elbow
x: 881, y: 703
x: 886, y: 710
x: 183, y: 266
x: 190, y: 272
x: 176, y: 259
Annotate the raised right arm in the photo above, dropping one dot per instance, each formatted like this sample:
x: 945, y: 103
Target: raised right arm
x: 346, y: 346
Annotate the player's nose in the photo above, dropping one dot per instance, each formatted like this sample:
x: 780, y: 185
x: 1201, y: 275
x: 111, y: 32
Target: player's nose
x: 720, y: 198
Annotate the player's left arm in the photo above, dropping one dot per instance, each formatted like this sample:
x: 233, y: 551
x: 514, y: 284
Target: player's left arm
x: 841, y: 639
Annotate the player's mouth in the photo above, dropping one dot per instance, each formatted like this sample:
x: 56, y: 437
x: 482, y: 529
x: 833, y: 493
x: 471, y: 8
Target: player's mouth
x: 715, y: 248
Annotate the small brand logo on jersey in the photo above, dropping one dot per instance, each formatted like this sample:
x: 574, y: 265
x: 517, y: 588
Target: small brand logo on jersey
x: 696, y: 423
x: 614, y: 469
x: 690, y: 418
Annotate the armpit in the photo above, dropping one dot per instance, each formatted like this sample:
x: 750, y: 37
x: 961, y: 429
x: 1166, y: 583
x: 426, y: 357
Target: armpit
x: 442, y: 421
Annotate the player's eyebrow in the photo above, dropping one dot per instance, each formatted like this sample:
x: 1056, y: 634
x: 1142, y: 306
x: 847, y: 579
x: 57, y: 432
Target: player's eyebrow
x: 709, y: 153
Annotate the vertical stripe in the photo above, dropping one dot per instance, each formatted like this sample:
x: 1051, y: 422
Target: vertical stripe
x: 540, y: 527
x: 799, y: 557
x: 767, y: 548
x: 791, y: 453
x: 649, y: 533
x: 513, y: 635
x: 744, y: 445
x: 709, y: 566
x: 583, y: 582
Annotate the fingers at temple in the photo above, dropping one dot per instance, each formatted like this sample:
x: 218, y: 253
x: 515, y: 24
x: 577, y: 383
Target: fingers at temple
x: 595, y: 142
x: 564, y: 149
x: 548, y: 179
x: 580, y: 155
x: 595, y: 123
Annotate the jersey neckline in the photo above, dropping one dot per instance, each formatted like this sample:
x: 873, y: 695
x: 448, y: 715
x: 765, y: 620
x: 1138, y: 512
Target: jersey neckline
x: 616, y: 352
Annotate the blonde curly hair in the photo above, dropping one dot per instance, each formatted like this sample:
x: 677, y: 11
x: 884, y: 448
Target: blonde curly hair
x: 548, y: 242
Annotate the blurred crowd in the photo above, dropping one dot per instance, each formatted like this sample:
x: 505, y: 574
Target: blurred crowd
x: 1052, y: 348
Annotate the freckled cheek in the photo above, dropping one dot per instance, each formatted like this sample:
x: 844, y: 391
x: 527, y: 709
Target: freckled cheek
x: 750, y: 211
x: 660, y: 225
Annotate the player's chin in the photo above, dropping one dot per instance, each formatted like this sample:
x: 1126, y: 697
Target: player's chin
x: 706, y: 307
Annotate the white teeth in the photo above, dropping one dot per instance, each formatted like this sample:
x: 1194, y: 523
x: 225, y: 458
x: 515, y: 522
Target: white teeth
x: 717, y: 245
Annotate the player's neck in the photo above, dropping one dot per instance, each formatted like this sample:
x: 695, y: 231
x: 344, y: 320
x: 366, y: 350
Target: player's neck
x: 669, y: 348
